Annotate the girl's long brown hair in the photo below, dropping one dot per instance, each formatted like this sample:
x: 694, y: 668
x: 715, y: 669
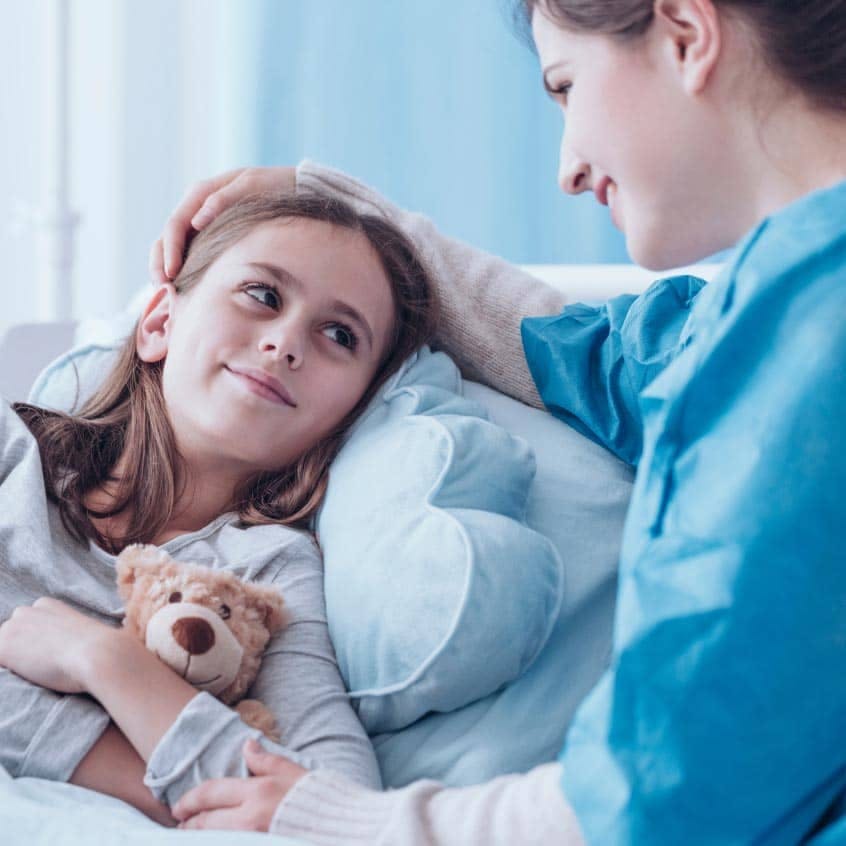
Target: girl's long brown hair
x: 127, y: 414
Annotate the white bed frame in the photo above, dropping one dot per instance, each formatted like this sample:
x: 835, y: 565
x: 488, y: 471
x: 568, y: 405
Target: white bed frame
x: 26, y: 348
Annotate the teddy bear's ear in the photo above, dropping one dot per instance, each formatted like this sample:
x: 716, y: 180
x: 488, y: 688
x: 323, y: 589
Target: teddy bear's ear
x: 269, y: 603
x: 133, y: 561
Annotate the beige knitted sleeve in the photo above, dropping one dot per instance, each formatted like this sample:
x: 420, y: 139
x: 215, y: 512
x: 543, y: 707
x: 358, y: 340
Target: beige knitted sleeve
x: 326, y: 809
x: 483, y: 298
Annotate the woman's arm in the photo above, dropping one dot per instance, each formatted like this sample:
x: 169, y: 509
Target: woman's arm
x: 325, y: 808
x: 483, y: 298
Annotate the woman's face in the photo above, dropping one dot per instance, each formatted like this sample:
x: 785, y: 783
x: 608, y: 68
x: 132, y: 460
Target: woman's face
x: 300, y: 304
x: 636, y: 138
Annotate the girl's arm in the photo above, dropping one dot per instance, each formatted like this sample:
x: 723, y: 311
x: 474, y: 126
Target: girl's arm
x: 298, y: 680
x: 188, y: 737
x: 113, y: 767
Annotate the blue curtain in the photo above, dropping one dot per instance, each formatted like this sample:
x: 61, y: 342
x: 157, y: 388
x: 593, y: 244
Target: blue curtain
x: 437, y: 103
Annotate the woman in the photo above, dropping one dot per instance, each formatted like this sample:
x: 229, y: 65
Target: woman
x: 211, y: 438
x: 703, y: 125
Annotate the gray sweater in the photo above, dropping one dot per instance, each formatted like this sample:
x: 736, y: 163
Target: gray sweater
x: 46, y: 734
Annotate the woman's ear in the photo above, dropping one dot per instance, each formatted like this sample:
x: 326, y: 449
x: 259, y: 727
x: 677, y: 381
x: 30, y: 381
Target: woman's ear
x: 691, y: 30
x: 153, y: 332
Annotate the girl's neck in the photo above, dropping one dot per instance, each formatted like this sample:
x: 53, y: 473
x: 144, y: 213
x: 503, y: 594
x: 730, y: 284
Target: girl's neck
x: 204, y: 499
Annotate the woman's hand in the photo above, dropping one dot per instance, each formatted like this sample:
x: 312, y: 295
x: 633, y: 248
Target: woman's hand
x: 203, y: 203
x: 240, y: 804
x: 50, y: 644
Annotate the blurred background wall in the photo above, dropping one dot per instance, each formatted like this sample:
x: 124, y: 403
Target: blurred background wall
x: 436, y: 103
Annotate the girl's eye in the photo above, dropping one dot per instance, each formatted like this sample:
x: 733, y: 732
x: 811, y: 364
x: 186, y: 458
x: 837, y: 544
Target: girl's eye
x: 176, y: 596
x: 345, y: 336
x: 225, y: 612
x: 263, y: 291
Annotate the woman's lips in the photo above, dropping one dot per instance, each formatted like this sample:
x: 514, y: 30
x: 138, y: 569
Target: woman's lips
x: 614, y: 205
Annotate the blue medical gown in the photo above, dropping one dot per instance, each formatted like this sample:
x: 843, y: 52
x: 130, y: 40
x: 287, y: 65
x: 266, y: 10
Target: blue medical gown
x: 722, y: 718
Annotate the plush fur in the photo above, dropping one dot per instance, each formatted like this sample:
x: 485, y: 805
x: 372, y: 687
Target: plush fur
x: 207, y: 625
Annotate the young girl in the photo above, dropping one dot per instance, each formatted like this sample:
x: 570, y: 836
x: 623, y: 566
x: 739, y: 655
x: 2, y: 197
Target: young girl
x: 211, y: 438
x: 703, y: 125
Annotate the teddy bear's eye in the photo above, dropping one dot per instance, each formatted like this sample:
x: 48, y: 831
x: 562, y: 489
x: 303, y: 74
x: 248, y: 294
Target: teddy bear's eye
x: 225, y: 611
x: 176, y: 596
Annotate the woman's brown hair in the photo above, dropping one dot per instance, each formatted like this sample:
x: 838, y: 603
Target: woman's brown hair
x: 79, y: 452
x: 802, y: 43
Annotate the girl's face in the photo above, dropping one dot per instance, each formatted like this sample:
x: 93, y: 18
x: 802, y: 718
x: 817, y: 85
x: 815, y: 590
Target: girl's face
x: 639, y: 134
x: 300, y: 305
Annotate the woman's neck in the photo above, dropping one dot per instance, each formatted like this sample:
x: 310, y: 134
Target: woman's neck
x: 799, y: 150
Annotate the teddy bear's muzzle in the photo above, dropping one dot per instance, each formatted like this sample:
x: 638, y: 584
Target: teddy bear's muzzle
x: 196, y: 643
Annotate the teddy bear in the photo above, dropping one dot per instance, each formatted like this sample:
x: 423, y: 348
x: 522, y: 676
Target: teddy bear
x: 207, y: 625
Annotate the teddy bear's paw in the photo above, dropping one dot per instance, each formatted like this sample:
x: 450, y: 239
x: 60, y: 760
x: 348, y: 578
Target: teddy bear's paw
x: 254, y: 714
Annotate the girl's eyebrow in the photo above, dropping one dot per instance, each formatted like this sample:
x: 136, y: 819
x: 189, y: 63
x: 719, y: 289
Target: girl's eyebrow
x: 286, y: 279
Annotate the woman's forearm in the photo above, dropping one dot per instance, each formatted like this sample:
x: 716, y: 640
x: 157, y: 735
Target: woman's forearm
x: 113, y: 767
x: 483, y: 298
x: 142, y: 695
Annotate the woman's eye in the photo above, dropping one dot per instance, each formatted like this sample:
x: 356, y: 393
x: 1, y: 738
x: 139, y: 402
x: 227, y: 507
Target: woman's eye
x: 344, y: 336
x: 176, y: 596
x: 225, y: 612
x: 560, y: 92
x: 262, y: 293
x: 563, y: 91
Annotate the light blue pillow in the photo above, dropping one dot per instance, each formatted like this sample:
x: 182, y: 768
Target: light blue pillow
x: 437, y: 592
x: 578, y: 498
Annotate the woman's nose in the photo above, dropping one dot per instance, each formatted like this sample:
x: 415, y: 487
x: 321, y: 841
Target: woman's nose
x: 573, y: 172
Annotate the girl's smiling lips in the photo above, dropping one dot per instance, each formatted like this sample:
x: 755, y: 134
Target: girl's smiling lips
x: 263, y: 384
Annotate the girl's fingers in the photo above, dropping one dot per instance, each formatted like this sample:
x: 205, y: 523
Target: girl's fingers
x: 216, y: 794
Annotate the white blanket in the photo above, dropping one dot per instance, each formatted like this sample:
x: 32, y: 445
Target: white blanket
x: 36, y: 812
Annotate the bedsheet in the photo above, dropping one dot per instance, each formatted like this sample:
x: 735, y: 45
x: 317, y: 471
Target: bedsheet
x: 34, y: 811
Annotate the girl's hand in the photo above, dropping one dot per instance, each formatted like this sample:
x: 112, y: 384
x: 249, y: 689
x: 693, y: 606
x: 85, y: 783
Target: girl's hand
x: 50, y: 644
x: 240, y: 804
x: 204, y: 202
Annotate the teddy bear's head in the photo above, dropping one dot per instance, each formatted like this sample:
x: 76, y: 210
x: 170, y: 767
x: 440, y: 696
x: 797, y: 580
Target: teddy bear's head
x: 207, y: 625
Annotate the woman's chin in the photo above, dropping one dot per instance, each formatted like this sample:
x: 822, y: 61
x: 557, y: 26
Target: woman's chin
x: 658, y: 254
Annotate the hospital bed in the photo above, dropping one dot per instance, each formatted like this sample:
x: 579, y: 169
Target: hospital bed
x: 580, y: 494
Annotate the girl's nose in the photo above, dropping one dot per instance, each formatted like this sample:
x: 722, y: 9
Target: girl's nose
x: 573, y: 172
x: 284, y: 342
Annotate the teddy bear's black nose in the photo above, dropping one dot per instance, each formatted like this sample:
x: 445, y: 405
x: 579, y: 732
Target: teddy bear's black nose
x: 193, y: 634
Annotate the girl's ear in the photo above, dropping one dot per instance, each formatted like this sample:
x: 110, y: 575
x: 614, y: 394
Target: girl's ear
x: 691, y: 29
x: 153, y: 332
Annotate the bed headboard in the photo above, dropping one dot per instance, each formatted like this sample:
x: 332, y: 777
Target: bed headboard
x: 26, y: 348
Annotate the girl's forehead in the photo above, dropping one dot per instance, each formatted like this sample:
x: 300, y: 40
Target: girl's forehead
x: 304, y: 245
